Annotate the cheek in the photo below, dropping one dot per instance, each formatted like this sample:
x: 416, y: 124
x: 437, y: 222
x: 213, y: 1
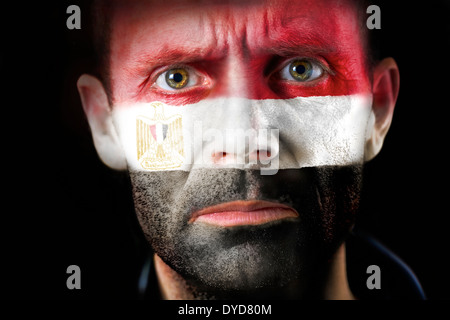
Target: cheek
x: 159, y: 203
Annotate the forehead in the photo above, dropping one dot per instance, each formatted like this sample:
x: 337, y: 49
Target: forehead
x: 216, y: 27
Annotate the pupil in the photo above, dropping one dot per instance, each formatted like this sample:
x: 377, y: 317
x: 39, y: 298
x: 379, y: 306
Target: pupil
x: 177, y: 77
x: 300, y: 69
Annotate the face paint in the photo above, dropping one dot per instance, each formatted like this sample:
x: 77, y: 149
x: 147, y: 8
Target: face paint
x: 238, y: 51
x: 191, y: 149
x: 242, y: 259
x: 297, y: 133
x: 319, y: 152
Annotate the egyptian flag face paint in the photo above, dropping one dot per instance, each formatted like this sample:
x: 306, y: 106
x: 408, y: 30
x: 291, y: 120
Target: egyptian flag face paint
x: 244, y: 128
x: 268, y: 135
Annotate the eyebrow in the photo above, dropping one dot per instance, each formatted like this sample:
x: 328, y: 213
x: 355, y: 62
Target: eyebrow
x: 289, y: 43
x: 165, y: 56
x: 300, y: 49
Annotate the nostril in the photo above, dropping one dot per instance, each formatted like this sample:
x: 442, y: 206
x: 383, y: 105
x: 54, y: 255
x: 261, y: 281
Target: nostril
x: 260, y: 155
x: 219, y: 157
x: 264, y: 154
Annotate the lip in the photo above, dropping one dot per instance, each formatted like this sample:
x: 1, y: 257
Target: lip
x: 241, y: 213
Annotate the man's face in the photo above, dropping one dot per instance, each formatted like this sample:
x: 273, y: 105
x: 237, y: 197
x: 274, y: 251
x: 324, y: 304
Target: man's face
x: 296, y: 67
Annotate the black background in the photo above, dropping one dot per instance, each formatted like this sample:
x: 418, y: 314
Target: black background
x: 61, y: 206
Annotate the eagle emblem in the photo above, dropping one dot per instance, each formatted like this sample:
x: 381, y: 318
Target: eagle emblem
x: 159, y: 140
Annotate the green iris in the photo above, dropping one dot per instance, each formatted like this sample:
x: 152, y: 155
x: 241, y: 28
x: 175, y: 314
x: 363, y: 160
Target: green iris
x: 301, y: 70
x: 177, y: 78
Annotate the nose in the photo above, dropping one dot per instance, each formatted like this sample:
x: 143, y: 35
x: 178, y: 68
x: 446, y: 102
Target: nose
x: 239, y: 136
x: 255, y: 157
x: 248, y: 149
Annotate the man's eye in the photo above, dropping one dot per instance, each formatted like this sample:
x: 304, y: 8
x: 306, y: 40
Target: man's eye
x: 177, y: 78
x: 301, y: 70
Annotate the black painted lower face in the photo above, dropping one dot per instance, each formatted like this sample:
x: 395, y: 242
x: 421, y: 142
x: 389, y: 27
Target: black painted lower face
x: 281, y: 254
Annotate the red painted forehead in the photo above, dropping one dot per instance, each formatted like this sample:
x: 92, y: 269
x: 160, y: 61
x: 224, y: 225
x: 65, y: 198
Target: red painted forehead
x: 148, y: 35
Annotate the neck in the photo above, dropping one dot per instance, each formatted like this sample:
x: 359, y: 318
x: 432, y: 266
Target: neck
x: 336, y: 287
x: 173, y: 287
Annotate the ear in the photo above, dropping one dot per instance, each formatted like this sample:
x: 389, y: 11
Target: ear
x: 386, y: 84
x: 98, y: 112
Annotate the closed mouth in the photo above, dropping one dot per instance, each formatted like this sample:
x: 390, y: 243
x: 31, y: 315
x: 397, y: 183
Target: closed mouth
x: 243, y: 212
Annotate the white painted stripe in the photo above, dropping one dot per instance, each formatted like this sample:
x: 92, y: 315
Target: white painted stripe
x: 303, y: 131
